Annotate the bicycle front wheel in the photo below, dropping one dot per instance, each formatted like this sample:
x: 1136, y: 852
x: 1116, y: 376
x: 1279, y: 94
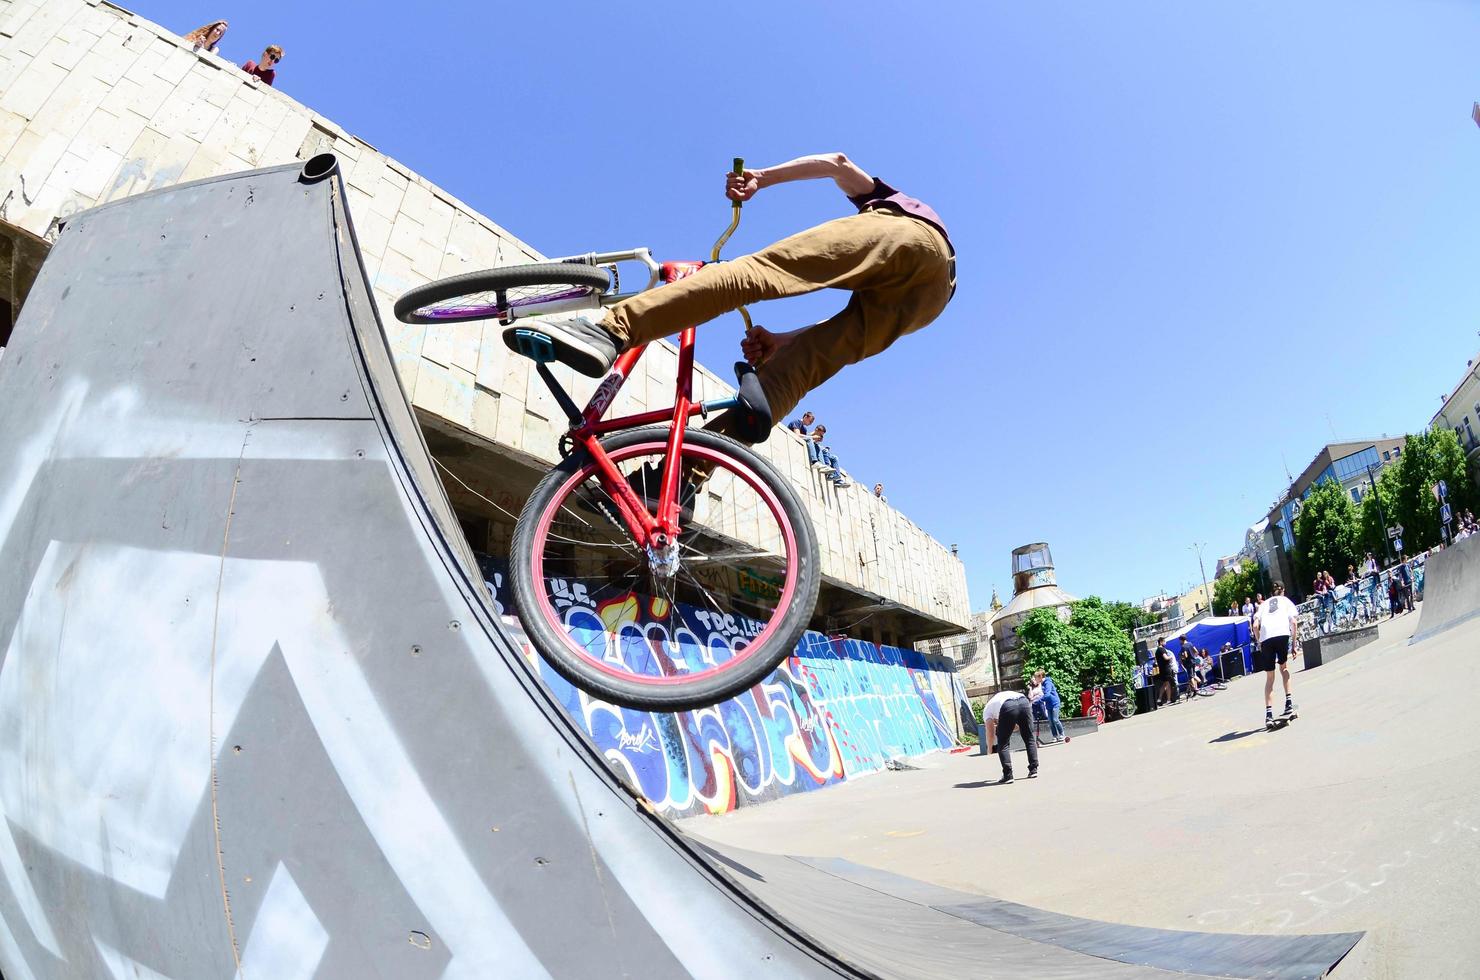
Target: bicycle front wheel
x: 502, y: 292
x: 675, y: 631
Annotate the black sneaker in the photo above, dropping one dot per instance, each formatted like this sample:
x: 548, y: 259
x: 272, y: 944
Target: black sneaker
x: 576, y: 340
x: 1032, y: 773
x: 750, y: 421
x: 1005, y: 780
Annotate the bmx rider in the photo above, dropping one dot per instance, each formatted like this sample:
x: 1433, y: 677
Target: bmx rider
x: 893, y: 255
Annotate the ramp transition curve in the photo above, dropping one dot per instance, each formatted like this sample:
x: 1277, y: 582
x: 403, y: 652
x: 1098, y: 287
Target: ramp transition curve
x: 256, y: 718
x: 1451, y: 588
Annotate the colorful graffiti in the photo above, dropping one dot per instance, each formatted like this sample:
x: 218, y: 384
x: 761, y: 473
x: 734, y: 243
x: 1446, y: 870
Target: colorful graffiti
x: 834, y: 710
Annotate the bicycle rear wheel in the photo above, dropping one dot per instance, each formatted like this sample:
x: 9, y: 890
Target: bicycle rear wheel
x: 674, y: 632
x: 498, y: 293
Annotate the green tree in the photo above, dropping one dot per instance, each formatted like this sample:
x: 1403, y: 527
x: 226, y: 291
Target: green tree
x: 1090, y: 648
x: 1427, y: 458
x: 1327, y: 533
x: 1129, y: 616
x: 1244, y: 582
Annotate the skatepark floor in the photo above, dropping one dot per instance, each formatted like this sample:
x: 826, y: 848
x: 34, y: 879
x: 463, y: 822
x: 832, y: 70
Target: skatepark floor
x: 1362, y: 815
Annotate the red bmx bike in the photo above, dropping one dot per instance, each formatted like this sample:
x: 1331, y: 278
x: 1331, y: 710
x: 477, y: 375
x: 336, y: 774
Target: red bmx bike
x: 659, y: 566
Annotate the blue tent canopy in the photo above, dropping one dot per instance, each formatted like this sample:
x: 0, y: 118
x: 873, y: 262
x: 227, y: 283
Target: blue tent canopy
x: 1210, y: 634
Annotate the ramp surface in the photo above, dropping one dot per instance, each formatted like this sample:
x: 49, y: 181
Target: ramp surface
x: 1451, y: 588
x: 256, y: 716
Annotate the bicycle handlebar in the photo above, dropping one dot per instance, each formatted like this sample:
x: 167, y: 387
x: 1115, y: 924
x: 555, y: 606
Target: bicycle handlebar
x: 737, y: 167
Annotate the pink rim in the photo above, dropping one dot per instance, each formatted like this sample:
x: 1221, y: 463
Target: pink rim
x: 541, y: 533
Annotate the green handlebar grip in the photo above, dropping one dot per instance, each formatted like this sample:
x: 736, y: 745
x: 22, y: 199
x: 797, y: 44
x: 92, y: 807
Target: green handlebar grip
x: 739, y: 167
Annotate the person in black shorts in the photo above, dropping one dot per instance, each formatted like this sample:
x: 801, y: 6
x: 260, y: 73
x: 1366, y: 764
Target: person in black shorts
x: 1276, y: 627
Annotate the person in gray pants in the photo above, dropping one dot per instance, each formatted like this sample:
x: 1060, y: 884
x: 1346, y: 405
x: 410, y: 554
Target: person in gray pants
x: 1009, y: 710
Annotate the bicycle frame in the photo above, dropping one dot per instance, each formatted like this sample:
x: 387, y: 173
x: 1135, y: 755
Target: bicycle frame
x: 650, y: 531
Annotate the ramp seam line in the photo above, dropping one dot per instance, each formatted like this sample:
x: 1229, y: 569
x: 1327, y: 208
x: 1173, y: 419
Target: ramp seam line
x: 236, y: 479
x: 981, y: 925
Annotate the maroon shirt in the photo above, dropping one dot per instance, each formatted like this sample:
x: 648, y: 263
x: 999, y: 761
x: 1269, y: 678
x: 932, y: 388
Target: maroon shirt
x: 266, y: 74
x: 886, y: 198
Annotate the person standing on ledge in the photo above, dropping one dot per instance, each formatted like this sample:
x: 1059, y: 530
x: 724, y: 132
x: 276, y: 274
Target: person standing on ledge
x: 894, y: 256
x: 1006, y: 711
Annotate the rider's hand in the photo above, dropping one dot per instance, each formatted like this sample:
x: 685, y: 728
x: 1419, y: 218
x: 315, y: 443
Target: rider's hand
x: 742, y: 186
x: 758, y: 345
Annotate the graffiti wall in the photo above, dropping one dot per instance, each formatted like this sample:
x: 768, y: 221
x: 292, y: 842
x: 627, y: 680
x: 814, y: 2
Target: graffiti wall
x: 834, y: 710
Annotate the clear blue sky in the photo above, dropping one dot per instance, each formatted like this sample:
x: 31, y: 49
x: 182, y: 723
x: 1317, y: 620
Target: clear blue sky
x: 1195, y: 239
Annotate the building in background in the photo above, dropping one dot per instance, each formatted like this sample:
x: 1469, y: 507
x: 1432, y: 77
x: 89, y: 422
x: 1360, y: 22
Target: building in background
x: 1034, y: 586
x: 1355, y: 465
x: 1461, y: 412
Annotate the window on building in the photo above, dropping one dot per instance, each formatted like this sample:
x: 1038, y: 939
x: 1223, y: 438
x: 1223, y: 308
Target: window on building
x: 1397, y: 451
x: 1386, y: 455
x: 1356, y: 495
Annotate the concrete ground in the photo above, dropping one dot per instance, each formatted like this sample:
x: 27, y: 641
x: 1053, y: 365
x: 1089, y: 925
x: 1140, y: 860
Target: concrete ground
x: 1364, y: 814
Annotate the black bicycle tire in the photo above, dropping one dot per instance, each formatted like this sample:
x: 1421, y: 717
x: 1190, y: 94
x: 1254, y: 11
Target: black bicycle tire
x: 703, y: 692
x: 490, y: 280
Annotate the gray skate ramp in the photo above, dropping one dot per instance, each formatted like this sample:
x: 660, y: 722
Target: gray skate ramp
x: 1451, y: 588
x: 256, y: 717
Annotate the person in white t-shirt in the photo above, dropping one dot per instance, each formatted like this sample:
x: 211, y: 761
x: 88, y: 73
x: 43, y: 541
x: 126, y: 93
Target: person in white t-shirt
x: 1008, y: 710
x: 1276, y: 632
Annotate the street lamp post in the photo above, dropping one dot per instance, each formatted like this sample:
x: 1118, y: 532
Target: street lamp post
x: 1207, y: 593
x: 1387, y: 550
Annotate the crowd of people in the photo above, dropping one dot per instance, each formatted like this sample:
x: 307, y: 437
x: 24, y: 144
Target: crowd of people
x: 1204, y: 674
x: 208, y: 39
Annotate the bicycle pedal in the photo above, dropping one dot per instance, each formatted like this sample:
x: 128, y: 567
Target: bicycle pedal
x: 534, y: 345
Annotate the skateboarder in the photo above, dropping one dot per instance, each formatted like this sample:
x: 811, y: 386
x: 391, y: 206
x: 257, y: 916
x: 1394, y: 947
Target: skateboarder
x: 1275, y: 633
x: 1008, y: 710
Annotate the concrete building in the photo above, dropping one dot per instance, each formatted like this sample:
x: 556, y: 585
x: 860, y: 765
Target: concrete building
x: 1355, y: 465
x: 971, y: 653
x: 1034, y: 586
x: 1461, y: 412
x: 97, y: 103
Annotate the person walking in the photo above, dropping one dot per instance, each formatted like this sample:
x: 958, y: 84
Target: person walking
x: 1276, y: 633
x: 893, y: 257
x: 1007, y: 712
x: 1052, y: 704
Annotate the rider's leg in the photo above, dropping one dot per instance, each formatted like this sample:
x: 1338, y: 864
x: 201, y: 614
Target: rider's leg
x: 873, y: 251
x: 1268, y: 691
x: 1285, y: 677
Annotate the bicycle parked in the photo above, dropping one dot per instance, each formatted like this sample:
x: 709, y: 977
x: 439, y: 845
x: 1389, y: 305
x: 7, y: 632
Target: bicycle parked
x: 667, y: 531
x: 1114, y: 705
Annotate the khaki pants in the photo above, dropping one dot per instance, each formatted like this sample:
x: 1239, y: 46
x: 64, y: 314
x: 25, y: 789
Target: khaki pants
x: 898, y: 268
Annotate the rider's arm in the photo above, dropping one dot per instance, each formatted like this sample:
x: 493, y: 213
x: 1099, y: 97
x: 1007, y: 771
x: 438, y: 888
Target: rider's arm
x: 849, y: 177
x: 991, y: 732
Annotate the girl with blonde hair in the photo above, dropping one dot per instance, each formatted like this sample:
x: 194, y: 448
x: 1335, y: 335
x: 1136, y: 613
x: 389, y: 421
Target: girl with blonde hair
x: 208, y: 38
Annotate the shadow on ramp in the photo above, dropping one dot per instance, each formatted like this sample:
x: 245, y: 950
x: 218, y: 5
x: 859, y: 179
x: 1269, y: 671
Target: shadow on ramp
x: 257, y: 717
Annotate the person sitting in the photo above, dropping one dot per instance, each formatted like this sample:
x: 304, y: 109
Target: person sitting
x: 802, y: 425
x: 879, y: 492
x: 822, y: 457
